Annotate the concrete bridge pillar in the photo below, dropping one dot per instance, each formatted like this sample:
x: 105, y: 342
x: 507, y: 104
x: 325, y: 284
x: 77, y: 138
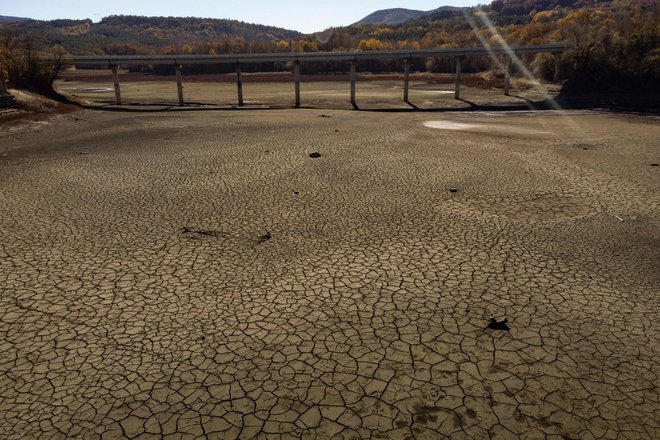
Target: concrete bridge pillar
x: 556, y: 76
x: 296, y: 79
x: 353, y: 79
x: 459, y: 67
x: 115, y: 77
x: 179, y: 84
x: 406, y: 79
x: 239, y: 84
x: 3, y: 83
x: 507, y: 75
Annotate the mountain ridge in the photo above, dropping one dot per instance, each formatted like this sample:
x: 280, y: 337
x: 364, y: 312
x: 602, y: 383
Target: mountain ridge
x: 128, y: 34
x: 391, y: 16
x: 399, y: 15
x: 10, y: 19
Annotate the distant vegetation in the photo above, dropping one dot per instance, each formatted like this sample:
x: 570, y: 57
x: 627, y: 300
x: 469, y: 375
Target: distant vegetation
x: 25, y: 68
x: 147, y: 35
x: 8, y: 19
x: 612, y: 41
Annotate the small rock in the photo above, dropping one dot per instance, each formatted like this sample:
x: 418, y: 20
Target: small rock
x: 84, y: 152
x: 296, y: 192
x: 315, y: 155
x: 494, y: 324
x: 264, y: 238
x: 453, y: 190
x: 655, y: 164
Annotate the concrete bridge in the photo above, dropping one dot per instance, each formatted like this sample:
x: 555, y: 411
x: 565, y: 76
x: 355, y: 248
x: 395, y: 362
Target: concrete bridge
x: 406, y: 56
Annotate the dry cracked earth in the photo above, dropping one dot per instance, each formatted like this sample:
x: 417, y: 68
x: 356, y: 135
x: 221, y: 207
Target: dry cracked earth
x: 190, y: 275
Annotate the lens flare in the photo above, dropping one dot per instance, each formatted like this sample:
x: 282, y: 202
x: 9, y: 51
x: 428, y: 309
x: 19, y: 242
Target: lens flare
x: 488, y: 24
x: 325, y: 36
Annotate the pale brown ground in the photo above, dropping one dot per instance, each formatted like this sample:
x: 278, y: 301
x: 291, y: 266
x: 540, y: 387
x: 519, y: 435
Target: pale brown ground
x: 385, y: 92
x: 138, y: 299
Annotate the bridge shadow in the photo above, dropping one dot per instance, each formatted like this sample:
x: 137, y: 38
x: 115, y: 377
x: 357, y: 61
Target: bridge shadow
x: 559, y: 103
x: 413, y: 106
x: 155, y: 107
x: 471, y: 107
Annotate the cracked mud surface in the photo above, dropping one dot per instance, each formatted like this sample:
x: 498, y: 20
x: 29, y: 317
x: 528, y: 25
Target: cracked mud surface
x: 140, y: 298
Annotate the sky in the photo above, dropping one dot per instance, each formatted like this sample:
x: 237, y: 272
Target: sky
x: 302, y: 15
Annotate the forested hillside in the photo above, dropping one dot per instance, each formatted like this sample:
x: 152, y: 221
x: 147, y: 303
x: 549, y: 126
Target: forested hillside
x: 131, y: 34
x: 8, y: 19
x: 611, y: 41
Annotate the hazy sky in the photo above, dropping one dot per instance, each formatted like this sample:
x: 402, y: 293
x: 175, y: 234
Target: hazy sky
x: 302, y: 15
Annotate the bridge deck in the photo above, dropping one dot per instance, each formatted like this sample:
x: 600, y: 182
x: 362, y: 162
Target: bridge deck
x: 310, y: 56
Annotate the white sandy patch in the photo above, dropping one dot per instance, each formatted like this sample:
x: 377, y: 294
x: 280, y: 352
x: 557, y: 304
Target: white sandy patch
x: 462, y: 126
x: 448, y: 125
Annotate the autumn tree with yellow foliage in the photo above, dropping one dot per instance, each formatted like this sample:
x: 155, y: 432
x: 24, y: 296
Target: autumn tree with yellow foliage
x: 610, y: 41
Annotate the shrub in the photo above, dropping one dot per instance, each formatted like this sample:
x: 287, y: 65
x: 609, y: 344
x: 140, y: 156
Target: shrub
x: 24, y: 68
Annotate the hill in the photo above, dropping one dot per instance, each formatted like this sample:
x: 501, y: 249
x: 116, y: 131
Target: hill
x: 610, y: 41
x: 8, y: 19
x: 524, y: 7
x: 122, y: 34
x: 401, y: 15
x: 391, y: 16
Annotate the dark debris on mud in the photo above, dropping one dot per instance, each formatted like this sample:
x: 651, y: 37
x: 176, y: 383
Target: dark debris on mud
x: 185, y: 230
x: 494, y: 324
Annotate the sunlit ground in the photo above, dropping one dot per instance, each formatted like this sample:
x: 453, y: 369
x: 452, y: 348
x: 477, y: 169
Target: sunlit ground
x: 373, y: 92
x: 191, y: 274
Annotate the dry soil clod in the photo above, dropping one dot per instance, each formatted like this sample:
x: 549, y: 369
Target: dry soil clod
x: 494, y: 324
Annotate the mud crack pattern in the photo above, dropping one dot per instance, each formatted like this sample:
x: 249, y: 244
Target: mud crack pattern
x: 140, y: 299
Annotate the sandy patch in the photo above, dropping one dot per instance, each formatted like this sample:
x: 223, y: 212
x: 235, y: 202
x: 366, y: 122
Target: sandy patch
x: 463, y: 126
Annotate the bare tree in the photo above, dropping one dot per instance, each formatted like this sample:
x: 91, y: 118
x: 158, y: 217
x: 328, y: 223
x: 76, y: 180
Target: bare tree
x: 57, y: 63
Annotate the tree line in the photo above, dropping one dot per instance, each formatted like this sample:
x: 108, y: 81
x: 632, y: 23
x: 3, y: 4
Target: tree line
x: 611, y: 41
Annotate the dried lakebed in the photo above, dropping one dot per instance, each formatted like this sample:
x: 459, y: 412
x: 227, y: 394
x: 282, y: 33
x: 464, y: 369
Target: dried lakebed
x: 193, y: 275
